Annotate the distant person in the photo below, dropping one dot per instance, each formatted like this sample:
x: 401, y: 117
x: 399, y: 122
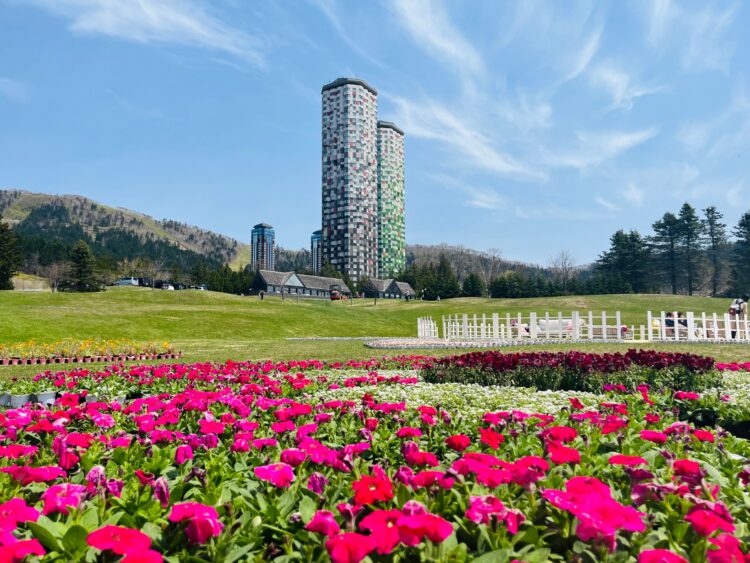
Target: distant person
x: 669, y: 321
x: 681, y: 320
x: 738, y: 312
x: 262, y: 295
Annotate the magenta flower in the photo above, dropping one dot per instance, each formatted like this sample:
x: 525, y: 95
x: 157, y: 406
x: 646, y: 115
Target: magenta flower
x: 183, y: 453
x: 278, y: 474
x: 203, y: 521
x: 14, y: 511
x: 59, y: 498
x: 119, y: 540
x: 323, y: 523
x: 27, y: 475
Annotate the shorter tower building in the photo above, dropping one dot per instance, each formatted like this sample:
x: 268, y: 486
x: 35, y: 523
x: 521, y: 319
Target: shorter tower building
x: 391, y: 200
x: 316, y: 252
x: 262, y: 247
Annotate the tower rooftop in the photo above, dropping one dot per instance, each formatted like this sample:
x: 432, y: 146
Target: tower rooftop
x: 389, y: 125
x: 263, y: 226
x: 344, y: 81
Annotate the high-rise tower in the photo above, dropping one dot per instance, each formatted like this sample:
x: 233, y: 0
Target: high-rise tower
x: 391, y: 196
x: 262, y: 247
x: 350, y: 184
x: 316, y: 252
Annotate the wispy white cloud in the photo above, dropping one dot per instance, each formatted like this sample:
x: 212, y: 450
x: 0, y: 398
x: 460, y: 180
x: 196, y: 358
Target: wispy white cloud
x: 477, y: 197
x: 14, y: 90
x: 330, y: 10
x: 633, y: 194
x: 554, y: 211
x: 179, y: 22
x: 428, y: 23
x: 708, y: 47
x: 524, y: 113
x: 606, y: 204
x: 701, y: 34
x: 620, y: 85
x: 594, y: 148
x: 580, y: 59
x: 429, y: 119
x: 660, y: 14
x: 736, y: 196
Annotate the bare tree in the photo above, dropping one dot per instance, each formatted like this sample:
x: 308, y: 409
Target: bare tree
x: 563, y: 264
x: 54, y: 273
x: 489, y: 263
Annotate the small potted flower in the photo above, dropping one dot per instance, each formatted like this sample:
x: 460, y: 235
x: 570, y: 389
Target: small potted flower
x: 20, y: 392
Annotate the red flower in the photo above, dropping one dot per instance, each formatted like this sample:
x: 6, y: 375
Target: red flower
x: 15, y: 551
x: 458, y: 442
x: 349, y: 547
x: 27, y: 475
x: 703, y: 435
x: 706, y: 522
x: 660, y: 556
x: 383, y: 525
x: 620, y: 459
x: 654, y: 436
x: 369, y: 490
x: 560, y: 433
x: 562, y: 454
x: 492, y: 438
x: 148, y: 556
x: 119, y: 539
x: 413, y: 528
x: 278, y: 474
x: 323, y: 523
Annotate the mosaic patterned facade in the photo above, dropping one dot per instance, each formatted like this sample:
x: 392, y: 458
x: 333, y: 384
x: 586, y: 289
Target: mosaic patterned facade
x: 350, y: 183
x: 391, y: 217
x: 262, y: 247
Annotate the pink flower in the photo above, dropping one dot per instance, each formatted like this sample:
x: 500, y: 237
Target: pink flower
x: 14, y: 551
x: 483, y: 508
x: 349, y: 547
x: 703, y: 435
x: 210, y: 426
x: 686, y: 396
x: 148, y: 556
x: 383, y: 526
x: 278, y: 474
x: 293, y: 456
x: 183, y: 453
x: 161, y: 491
x: 408, y: 432
x: 323, y: 523
x: 203, y: 521
x: 15, y: 511
x: 491, y: 437
x: 620, y: 459
x: 119, y: 540
x: 660, y: 556
x: 317, y: 482
x: 27, y: 475
x: 729, y: 550
x: 58, y: 498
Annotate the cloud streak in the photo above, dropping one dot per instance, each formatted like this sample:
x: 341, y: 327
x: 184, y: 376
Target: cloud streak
x: 428, y: 23
x: 14, y: 90
x: 593, y: 148
x: 177, y: 22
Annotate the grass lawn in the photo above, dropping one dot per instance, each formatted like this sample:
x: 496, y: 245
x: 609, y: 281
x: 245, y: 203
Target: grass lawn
x: 215, y: 326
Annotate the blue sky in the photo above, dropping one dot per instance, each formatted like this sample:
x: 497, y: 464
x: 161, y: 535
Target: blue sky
x: 532, y: 127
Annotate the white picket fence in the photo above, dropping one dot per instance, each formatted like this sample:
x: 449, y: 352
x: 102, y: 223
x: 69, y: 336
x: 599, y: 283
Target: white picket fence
x: 694, y: 327
x: 662, y: 326
x: 576, y: 326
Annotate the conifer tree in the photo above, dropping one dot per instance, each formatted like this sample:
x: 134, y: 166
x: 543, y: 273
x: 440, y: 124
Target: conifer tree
x: 690, y: 231
x: 715, y: 234
x: 741, y: 256
x: 82, y: 262
x: 666, y: 246
x: 10, y: 256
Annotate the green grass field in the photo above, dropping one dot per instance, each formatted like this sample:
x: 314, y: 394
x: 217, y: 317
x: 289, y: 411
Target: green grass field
x: 215, y: 326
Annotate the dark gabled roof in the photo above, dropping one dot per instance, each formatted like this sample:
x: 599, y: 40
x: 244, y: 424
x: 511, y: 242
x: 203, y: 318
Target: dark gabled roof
x: 379, y: 285
x: 263, y: 226
x: 344, y: 81
x: 389, y: 125
x: 322, y: 283
x: 274, y: 278
x: 405, y: 288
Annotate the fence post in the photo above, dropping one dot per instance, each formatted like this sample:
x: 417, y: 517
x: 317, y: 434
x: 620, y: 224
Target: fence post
x: 690, y: 326
x: 727, y: 327
x: 546, y: 324
x: 509, y: 332
x: 495, y: 326
x: 532, y: 326
x: 650, y: 326
x: 465, y: 326
x: 704, y: 326
x: 591, y: 325
x: 716, y: 326
x: 643, y: 332
x: 676, y: 326
x: 576, y: 316
x: 618, y: 323
x: 604, y: 325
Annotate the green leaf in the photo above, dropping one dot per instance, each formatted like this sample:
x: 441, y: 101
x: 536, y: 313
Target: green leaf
x: 492, y: 556
x: 90, y: 519
x: 307, y: 509
x: 537, y: 556
x: 238, y: 553
x: 74, y: 539
x: 45, y: 537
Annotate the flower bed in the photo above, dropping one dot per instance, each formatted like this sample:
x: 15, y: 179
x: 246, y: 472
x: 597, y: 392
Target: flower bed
x: 296, y: 462
x: 83, y: 351
x: 576, y: 371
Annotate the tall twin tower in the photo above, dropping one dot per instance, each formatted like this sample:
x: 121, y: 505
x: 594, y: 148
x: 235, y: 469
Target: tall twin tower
x: 363, y: 230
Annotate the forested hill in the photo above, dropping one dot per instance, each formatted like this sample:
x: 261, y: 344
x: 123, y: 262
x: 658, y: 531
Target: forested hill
x: 49, y: 224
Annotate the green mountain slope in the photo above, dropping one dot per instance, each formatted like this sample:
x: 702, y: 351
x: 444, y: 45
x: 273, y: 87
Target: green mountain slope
x: 96, y: 219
